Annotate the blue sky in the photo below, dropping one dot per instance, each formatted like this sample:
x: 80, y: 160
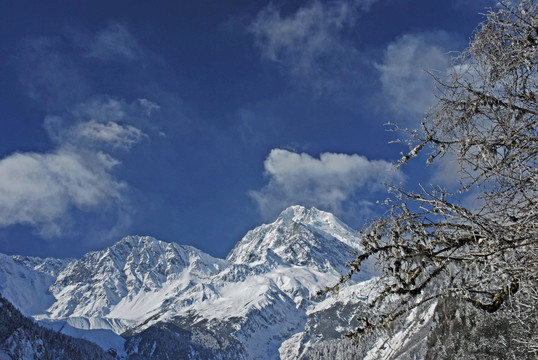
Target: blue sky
x: 195, y: 121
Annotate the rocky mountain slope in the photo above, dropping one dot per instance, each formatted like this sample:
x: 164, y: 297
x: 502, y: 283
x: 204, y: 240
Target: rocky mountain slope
x: 144, y: 298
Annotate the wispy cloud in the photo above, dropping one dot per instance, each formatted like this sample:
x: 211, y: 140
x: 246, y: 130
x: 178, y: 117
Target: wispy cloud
x: 475, y: 6
x: 102, y: 122
x: 52, y: 69
x: 407, y: 86
x: 119, y: 136
x: 115, y: 41
x: 308, y: 44
x: 49, y: 76
x: 329, y: 182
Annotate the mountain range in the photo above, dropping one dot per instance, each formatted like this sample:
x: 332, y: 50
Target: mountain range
x: 142, y: 298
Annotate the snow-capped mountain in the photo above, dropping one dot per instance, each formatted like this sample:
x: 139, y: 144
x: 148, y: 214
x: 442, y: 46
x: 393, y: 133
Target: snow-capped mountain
x: 147, y: 298
x: 128, y: 282
x: 301, y: 237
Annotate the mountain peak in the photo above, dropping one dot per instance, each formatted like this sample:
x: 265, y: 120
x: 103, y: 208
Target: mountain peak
x: 137, y: 241
x: 298, y: 236
x: 312, y: 216
x: 295, y: 212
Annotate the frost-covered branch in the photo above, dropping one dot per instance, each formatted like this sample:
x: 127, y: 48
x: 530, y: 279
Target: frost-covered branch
x: 431, y: 246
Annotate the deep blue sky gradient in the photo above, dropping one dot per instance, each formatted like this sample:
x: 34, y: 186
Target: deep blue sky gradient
x: 224, y: 105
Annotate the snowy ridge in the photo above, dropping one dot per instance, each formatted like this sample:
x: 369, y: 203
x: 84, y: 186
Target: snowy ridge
x: 25, y: 281
x: 125, y: 284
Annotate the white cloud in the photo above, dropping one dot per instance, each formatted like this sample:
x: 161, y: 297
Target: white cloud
x: 113, y: 42
x: 405, y: 83
x: 102, y: 121
x: 40, y: 189
x: 329, y: 182
x: 308, y: 44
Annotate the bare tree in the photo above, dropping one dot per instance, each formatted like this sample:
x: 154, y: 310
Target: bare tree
x: 431, y: 246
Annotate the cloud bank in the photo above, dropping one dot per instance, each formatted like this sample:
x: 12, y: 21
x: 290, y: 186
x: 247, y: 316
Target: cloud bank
x: 329, y: 182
